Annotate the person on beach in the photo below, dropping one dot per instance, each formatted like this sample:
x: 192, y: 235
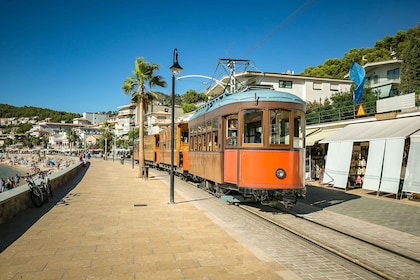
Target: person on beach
x: 2, y: 185
x: 10, y: 183
x: 17, y: 178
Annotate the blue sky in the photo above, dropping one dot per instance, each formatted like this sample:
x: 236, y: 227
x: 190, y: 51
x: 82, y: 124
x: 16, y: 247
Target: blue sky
x: 73, y: 56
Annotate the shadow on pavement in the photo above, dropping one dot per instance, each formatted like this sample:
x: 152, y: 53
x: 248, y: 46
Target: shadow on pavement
x: 11, y: 230
x: 326, y: 197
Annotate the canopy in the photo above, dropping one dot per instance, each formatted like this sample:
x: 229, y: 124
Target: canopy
x: 412, y: 174
x: 314, y: 138
x: 386, y: 129
x: 310, y: 131
x: 338, y: 164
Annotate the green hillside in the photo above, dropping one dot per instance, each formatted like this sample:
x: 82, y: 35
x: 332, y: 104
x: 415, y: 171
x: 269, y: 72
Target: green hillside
x: 9, y: 111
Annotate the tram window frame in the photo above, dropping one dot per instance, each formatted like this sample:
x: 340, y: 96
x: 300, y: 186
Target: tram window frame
x: 280, y: 127
x: 191, y: 143
x: 253, y: 127
x: 231, y: 138
x: 184, y: 136
x: 209, y: 141
x: 215, y: 133
x: 298, y: 129
x: 195, y: 142
x: 199, y: 144
x: 209, y: 129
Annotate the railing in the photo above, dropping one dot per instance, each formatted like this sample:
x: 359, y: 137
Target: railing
x: 330, y: 113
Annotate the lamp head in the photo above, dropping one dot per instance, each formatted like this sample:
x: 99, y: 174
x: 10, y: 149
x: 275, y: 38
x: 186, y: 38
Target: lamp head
x: 176, y: 68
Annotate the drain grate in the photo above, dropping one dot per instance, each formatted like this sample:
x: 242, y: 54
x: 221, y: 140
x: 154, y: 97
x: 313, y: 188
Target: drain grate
x: 139, y: 205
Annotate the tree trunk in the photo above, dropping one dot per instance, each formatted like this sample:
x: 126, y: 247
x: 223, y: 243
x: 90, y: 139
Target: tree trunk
x: 141, y: 132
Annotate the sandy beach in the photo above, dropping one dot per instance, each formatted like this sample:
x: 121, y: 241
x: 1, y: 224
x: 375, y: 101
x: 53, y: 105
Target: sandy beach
x: 32, y: 163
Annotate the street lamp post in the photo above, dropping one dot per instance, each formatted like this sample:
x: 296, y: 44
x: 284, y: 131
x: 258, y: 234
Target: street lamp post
x: 175, y: 69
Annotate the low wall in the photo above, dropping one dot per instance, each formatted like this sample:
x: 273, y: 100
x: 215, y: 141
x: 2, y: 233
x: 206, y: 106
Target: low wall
x: 15, y: 200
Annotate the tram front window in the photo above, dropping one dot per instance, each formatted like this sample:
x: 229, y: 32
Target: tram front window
x: 298, y: 128
x: 253, y: 132
x: 279, y: 127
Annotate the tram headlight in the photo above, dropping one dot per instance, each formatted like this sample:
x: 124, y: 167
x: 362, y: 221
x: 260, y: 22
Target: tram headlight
x: 280, y: 173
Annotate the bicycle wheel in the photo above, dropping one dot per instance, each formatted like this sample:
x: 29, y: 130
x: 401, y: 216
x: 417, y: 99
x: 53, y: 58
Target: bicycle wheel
x: 37, y: 196
x: 44, y: 190
x: 47, y: 191
x: 49, y: 187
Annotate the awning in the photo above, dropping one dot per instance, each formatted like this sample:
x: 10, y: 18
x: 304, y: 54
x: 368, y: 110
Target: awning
x: 319, y: 135
x: 310, y: 131
x: 386, y: 129
x: 338, y: 164
x: 384, y: 90
x: 412, y: 175
x: 415, y: 136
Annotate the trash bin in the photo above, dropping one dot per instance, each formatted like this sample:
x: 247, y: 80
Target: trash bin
x: 145, y: 172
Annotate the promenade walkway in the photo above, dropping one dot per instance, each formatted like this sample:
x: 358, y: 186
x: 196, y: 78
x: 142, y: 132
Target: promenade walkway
x: 109, y: 224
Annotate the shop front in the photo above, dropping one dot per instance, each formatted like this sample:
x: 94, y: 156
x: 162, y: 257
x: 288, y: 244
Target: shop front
x: 371, y: 155
x: 315, y: 152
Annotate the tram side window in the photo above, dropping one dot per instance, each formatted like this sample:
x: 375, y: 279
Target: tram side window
x: 232, y: 130
x: 215, y: 133
x: 184, y: 136
x: 279, y: 127
x: 209, y: 129
x: 253, y: 132
x: 209, y: 142
x: 195, y: 143
x: 298, y: 126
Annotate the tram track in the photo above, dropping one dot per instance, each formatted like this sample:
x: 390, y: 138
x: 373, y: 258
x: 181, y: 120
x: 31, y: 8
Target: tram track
x: 366, y: 255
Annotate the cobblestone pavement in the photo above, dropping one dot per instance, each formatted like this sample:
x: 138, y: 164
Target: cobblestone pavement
x: 109, y: 224
x: 112, y: 225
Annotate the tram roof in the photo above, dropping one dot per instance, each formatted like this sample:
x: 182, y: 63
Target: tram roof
x: 246, y: 96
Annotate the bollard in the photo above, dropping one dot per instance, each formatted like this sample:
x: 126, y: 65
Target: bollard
x: 122, y: 160
x: 145, y: 172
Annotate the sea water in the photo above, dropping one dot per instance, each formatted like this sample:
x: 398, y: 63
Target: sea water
x: 7, y: 171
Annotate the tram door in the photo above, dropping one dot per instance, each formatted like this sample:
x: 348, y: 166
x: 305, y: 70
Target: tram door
x: 231, y: 149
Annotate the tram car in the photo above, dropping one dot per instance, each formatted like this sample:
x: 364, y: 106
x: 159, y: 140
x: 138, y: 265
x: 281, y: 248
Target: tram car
x: 249, y: 144
x: 180, y: 149
x: 157, y: 149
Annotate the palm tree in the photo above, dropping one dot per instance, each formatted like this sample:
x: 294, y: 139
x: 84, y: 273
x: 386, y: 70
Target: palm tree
x: 143, y: 75
x: 72, y: 137
x: 106, y: 128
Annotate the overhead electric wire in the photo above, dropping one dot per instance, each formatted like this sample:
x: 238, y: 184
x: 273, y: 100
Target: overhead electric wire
x: 293, y: 15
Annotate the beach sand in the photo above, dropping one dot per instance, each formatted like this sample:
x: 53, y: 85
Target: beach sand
x: 32, y: 163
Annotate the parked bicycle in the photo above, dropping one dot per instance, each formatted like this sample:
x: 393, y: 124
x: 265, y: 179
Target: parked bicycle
x: 45, y: 184
x: 42, y: 191
x: 36, y: 193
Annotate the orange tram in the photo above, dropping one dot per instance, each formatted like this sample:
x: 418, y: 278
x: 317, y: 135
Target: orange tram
x: 249, y: 144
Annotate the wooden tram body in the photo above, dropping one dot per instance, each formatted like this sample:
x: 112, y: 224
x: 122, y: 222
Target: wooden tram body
x: 249, y: 143
x: 180, y: 150
x: 157, y: 149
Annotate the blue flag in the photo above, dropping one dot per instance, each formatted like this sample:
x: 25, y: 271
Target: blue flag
x: 357, y: 75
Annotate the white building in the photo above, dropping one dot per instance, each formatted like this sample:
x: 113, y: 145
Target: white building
x: 383, y: 77
x: 310, y: 89
x: 125, y: 120
x: 95, y: 118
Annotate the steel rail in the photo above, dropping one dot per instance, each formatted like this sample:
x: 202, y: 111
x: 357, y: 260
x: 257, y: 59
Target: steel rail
x: 321, y: 245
